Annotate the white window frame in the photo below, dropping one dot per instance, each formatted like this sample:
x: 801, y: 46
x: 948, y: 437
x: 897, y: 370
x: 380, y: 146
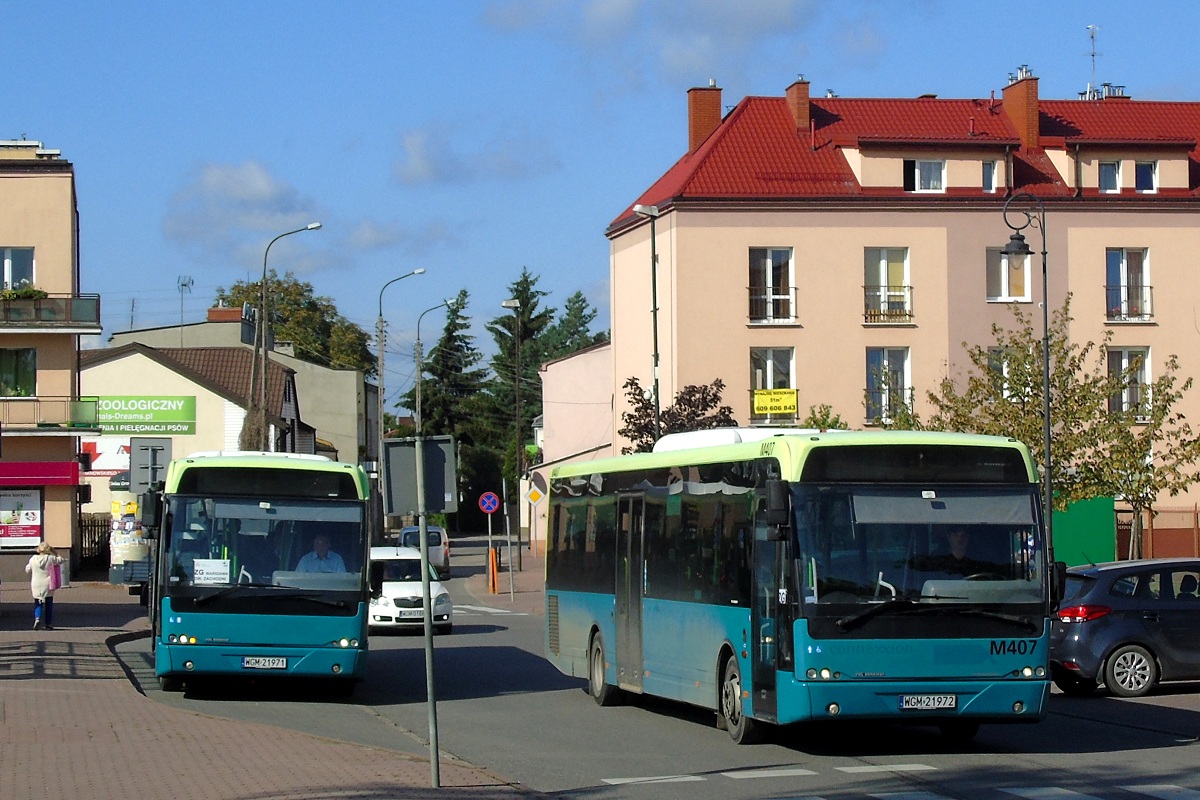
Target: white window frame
x: 6, y: 257
x: 1116, y: 170
x: 774, y: 377
x: 1137, y: 176
x: 891, y: 299
x: 1138, y: 395
x: 989, y: 177
x: 1133, y: 300
x: 1000, y: 264
x: 886, y: 359
x: 921, y: 176
x: 773, y: 295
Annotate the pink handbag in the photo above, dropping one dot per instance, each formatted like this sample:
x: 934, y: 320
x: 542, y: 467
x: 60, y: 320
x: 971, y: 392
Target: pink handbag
x: 55, y: 576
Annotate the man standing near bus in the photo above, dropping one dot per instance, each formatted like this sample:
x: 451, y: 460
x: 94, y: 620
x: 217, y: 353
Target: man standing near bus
x: 321, y: 559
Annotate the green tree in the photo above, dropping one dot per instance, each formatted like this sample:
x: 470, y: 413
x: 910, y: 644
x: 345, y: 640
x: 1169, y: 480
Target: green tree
x: 571, y: 332
x: 1145, y: 448
x: 451, y: 375
x: 695, y: 408
x: 822, y: 418
x: 518, y: 341
x: 317, y: 331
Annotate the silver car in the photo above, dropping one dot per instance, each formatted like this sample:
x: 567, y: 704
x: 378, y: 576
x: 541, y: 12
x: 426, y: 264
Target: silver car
x: 439, y: 546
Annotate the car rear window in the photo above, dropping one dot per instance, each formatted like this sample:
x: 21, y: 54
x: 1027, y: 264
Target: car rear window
x: 1077, y: 586
x: 413, y: 538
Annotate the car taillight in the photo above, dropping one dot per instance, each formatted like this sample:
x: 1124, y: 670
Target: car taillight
x: 1082, y: 613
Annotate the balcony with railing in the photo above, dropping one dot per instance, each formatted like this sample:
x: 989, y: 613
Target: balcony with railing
x: 49, y: 415
x: 767, y: 306
x: 888, y: 304
x: 1129, y: 303
x: 59, y: 313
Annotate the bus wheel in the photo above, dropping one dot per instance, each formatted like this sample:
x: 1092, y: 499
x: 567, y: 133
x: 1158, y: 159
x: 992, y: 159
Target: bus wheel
x: 604, y: 693
x: 741, y: 728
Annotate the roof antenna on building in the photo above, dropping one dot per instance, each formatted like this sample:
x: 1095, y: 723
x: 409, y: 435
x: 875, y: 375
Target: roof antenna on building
x: 184, y: 284
x: 1091, y: 89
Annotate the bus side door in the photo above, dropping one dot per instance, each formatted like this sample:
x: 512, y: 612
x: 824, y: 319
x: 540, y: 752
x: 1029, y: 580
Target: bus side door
x: 630, y: 571
x: 771, y: 620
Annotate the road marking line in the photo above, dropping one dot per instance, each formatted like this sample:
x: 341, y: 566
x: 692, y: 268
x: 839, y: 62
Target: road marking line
x: 1047, y: 793
x: 1165, y: 791
x: 489, y: 610
x: 888, y: 768
x: 768, y: 773
x: 657, y: 779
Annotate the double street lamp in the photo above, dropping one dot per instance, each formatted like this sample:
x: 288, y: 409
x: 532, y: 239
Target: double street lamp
x: 261, y: 339
x: 380, y: 341
x: 1030, y: 212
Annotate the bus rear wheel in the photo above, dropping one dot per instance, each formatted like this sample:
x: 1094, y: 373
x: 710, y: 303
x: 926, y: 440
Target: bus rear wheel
x: 741, y: 728
x: 604, y: 693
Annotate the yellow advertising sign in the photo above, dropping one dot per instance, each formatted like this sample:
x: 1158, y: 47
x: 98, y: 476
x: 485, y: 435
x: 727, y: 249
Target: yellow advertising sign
x: 775, y: 401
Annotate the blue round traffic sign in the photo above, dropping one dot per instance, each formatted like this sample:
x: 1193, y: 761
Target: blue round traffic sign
x: 489, y: 502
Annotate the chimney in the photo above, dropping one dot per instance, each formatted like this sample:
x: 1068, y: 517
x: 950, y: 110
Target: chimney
x: 224, y: 315
x: 1021, y: 105
x: 704, y: 113
x: 797, y: 100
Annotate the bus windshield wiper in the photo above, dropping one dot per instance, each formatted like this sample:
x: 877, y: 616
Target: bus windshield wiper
x: 888, y: 606
x: 228, y: 590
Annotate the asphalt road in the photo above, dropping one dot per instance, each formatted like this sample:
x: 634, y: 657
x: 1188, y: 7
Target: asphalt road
x: 501, y: 706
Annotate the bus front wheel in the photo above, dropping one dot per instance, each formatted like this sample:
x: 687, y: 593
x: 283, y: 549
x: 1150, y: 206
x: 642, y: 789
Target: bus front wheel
x: 741, y: 728
x: 604, y: 693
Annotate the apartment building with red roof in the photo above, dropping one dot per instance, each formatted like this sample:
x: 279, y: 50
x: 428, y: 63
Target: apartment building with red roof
x: 846, y: 248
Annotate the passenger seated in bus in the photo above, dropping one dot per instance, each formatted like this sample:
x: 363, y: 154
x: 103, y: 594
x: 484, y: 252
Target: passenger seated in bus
x: 321, y: 559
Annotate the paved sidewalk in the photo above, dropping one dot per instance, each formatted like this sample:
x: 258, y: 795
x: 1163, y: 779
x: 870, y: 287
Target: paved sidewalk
x: 72, y: 725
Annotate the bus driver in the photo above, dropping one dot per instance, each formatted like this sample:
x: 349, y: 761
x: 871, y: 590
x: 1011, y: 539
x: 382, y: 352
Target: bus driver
x: 321, y: 559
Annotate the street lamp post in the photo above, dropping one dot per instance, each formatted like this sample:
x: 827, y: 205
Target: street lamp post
x: 1033, y: 212
x: 515, y: 305
x: 381, y: 341
x: 423, y: 528
x: 261, y: 337
x: 652, y: 213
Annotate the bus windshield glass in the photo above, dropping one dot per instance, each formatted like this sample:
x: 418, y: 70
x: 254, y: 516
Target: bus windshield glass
x: 292, y: 543
x: 947, y: 545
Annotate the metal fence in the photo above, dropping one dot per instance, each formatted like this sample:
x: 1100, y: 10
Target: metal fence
x: 94, y: 530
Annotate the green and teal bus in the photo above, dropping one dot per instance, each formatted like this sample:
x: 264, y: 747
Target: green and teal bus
x: 260, y: 568
x: 787, y: 576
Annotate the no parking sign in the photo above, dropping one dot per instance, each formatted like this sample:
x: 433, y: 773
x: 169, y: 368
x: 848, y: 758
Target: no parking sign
x: 489, y: 502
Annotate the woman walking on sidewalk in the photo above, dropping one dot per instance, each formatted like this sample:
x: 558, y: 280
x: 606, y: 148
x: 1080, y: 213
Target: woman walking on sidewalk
x: 40, y: 567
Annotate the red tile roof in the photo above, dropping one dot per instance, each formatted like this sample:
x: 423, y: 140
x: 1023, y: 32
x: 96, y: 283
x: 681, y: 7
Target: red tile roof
x: 756, y: 153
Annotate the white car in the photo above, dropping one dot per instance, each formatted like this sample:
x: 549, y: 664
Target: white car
x: 400, y: 604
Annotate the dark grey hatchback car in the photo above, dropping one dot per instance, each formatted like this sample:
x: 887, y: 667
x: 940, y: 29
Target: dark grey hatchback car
x: 1127, y: 625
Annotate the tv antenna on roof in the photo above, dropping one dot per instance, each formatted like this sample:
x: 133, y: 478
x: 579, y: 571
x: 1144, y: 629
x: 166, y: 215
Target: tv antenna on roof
x: 1092, y: 30
x: 184, y: 284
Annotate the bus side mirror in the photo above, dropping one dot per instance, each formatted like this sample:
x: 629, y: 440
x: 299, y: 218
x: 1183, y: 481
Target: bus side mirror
x: 778, y: 504
x: 375, y: 578
x: 1058, y: 582
x: 150, y: 513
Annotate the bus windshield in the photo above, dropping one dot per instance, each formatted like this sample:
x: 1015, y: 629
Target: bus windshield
x: 300, y: 544
x: 950, y: 545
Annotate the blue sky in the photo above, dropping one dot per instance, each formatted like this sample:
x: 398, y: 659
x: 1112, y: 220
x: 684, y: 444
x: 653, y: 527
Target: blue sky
x: 468, y: 138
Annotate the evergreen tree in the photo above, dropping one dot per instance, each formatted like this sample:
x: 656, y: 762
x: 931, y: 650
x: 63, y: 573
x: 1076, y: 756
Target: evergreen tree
x: 571, y: 332
x: 451, y: 377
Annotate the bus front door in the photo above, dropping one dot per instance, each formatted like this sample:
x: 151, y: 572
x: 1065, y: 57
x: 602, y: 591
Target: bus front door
x: 630, y: 527
x: 769, y: 619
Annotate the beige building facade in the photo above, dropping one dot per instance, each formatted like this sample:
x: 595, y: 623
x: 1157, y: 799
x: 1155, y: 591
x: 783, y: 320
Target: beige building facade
x: 42, y: 315
x: 841, y: 251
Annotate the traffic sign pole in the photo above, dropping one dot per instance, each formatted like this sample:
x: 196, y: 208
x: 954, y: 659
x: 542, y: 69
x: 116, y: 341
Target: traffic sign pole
x: 488, y: 503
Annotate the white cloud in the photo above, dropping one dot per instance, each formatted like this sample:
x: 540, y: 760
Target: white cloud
x: 429, y: 156
x: 225, y: 212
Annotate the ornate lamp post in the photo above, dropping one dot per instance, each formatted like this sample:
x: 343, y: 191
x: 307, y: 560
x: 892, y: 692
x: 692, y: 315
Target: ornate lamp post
x: 1030, y: 212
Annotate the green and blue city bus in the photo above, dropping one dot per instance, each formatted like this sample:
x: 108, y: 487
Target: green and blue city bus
x: 260, y: 568
x: 807, y: 575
